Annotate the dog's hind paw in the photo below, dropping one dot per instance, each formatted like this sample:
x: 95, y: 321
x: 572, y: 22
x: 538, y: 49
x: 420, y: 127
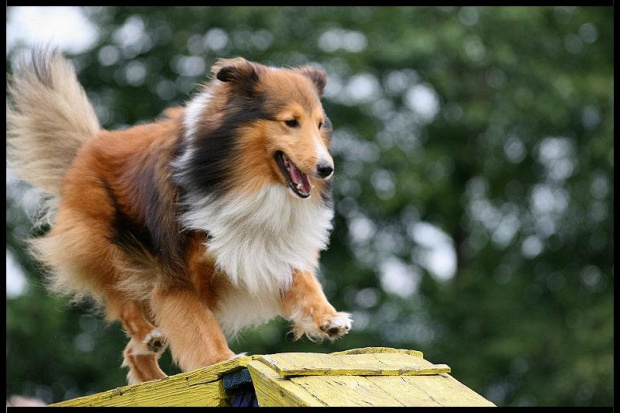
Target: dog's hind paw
x: 155, y: 341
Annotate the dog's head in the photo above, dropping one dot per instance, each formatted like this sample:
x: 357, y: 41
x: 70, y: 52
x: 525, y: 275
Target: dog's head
x: 271, y: 119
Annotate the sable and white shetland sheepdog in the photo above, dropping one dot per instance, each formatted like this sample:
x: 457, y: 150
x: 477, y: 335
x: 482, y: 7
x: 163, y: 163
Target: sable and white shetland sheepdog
x: 191, y: 228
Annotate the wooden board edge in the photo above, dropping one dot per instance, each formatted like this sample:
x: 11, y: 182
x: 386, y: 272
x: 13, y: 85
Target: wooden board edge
x: 273, y: 390
x: 414, y: 371
x: 368, y: 350
x: 202, y: 376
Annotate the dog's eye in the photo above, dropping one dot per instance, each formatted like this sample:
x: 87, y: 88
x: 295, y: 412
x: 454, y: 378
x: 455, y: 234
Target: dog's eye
x: 291, y: 123
x: 320, y: 125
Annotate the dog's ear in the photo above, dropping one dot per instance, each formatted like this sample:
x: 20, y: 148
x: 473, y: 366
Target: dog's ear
x: 318, y: 77
x: 239, y: 72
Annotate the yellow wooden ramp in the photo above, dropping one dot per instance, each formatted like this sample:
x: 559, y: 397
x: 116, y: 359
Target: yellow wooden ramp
x: 373, y: 376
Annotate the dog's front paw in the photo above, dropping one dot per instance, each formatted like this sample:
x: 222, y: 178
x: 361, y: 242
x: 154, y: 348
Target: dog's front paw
x: 337, y: 325
x: 318, y: 326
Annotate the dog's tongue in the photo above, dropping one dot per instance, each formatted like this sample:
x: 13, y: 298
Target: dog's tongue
x: 299, y: 177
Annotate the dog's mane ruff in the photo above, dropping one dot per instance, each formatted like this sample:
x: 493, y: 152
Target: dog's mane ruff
x: 257, y: 240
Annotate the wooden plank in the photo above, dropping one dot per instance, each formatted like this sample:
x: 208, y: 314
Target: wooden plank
x: 374, y: 376
x: 214, y: 372
x: 470, y: 395
x: 344, y: 391
x: 367, y: 350
x: 154, y: 394
x: 201, y: 387
x: 273, y: 390
x: 445, y: 390
x: 363, y: 364
x: 402, y: 390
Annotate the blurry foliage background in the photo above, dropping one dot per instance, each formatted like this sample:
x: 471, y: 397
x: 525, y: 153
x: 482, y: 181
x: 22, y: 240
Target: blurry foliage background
x: 474, y: 187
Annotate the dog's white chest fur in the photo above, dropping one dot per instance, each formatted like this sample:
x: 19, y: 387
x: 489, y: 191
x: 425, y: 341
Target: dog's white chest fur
x: 240, y: 309
x: 257, y: 241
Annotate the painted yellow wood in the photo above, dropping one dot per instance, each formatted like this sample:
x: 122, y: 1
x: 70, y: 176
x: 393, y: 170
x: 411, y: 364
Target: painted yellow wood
x: 341, y: 391
x: 447, y: 391
x: 366, y: 350
x: 361, y: 377
x: 372, y: 376
x: 437, y: 390
x: 201, y: 387
x: 273, y: 390
x: 406, y: 394
x: 363, y: 364
x: 163, y: 393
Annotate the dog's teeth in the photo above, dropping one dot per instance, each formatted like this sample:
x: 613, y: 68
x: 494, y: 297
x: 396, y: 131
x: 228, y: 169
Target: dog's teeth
x: 299, y: 187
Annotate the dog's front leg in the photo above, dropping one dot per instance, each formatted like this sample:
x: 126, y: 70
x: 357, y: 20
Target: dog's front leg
x: 190, y: 327
x: 305, y: 304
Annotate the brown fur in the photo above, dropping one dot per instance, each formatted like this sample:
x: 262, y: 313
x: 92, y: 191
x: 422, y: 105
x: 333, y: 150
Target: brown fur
x: 167, y: 281
x: 303, y: 297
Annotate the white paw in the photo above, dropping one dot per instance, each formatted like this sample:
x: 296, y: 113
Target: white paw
x: 154, y: 341
x: 338, y: 326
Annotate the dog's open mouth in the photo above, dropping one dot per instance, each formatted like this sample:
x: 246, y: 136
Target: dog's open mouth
x: 298, y: 181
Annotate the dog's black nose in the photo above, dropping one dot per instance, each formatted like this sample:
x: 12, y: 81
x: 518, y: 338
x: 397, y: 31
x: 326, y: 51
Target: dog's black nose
x: 324, y: 170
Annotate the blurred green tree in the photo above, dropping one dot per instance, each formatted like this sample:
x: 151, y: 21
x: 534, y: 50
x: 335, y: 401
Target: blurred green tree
x: 474, y: 187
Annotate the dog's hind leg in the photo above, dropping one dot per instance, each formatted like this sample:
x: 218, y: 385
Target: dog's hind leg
x: 192, y: 330
x: 146, y: 343
x: 143, y: 366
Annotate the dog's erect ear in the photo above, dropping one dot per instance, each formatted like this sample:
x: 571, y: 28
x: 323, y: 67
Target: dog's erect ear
x: 318, y: 77
x: 238, y: 71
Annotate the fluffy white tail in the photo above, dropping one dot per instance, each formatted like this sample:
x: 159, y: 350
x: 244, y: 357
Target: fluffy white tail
x: 49, y: 118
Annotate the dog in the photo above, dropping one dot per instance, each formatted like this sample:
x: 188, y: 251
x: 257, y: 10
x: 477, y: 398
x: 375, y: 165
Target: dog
x: 189, y: 229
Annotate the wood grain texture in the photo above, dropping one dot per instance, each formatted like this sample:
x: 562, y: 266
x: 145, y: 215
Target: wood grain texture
x: 201, y: 387
x: 374, y: 350
x: 436, y: 390
x: 363, y: 364
x: 342, y: 391
x: 373, y: 376
x: 273, y: 390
